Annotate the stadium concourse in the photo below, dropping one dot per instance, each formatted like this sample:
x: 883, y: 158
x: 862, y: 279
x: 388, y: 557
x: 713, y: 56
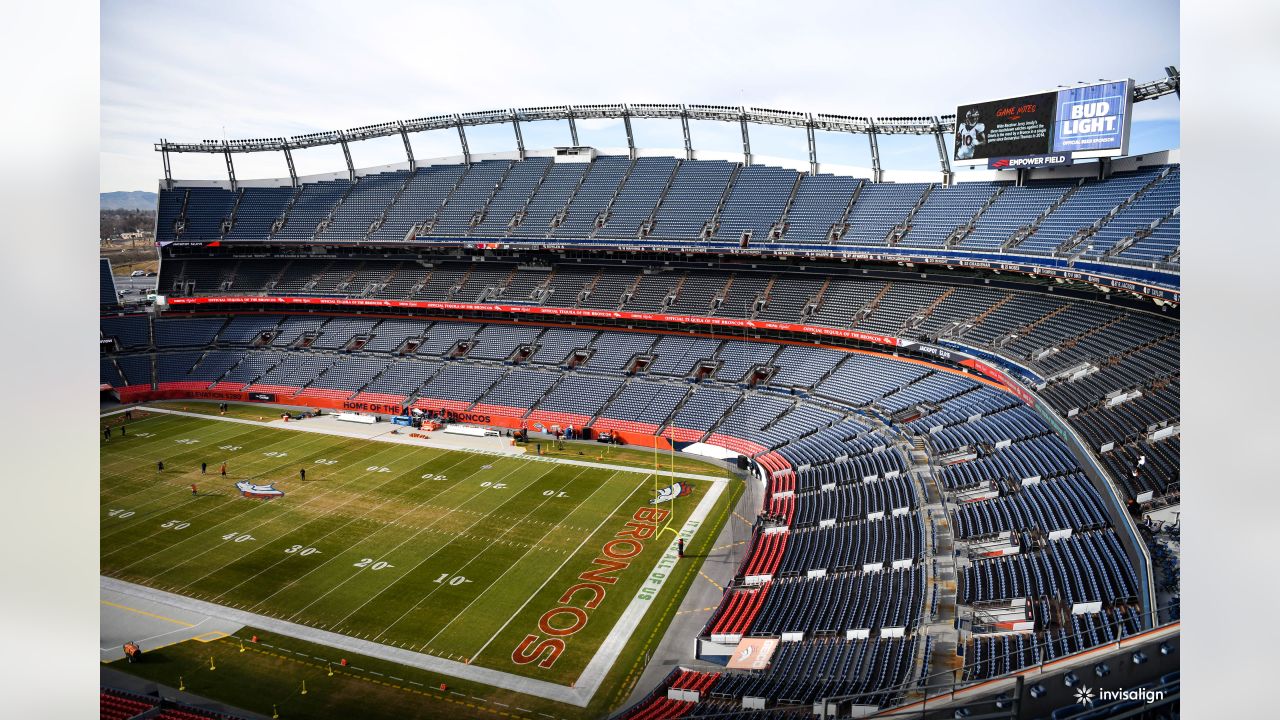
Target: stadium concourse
x: 958, y: 400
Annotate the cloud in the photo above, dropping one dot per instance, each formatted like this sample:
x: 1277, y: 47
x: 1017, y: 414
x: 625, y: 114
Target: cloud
x: 174, y: 70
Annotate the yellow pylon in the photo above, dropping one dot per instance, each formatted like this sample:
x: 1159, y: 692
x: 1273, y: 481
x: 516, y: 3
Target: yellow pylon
x: 181, y: 685
x: 330, y: 669
x: 242, y: 646
x: 274, y: 712
x: 211, y: 665
x: 304, y: 687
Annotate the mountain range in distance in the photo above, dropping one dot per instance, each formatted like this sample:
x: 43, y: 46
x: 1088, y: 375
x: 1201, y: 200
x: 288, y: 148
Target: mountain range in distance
x: 127, y: 200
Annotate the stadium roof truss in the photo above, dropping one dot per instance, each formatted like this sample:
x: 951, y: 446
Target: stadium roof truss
x: 872, y: 127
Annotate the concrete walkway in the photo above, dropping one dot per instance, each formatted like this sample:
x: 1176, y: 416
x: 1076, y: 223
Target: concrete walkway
x: 718, y: 567
x: 354, y: 646
x: 151, y: 624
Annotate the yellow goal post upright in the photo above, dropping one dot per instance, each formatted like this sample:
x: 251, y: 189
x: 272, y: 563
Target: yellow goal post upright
x: 671, y: 481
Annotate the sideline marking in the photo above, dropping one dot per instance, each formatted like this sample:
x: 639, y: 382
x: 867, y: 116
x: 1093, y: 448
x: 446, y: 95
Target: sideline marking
x: 394, y: 441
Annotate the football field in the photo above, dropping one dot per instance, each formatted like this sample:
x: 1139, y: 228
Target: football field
x: 516, y: 564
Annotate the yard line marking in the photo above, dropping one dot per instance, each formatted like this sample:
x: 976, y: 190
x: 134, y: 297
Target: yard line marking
x: 107, y: 470
x: 410, y: 571
x: 611, y: 647
x: 240, y: 518
x: 414, y: 485
x: 414, y: 536
x: 208, y: 510
x: 492, y: 453
x: 523, y: 555
x: 570, y: 556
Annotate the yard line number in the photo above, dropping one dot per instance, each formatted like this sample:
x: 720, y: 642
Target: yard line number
x: 455, y: 580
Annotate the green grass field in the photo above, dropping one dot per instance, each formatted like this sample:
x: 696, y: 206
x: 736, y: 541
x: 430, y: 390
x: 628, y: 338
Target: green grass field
x: 447, y: 553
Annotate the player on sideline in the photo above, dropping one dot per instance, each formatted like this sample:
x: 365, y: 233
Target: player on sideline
x: 302, y: 473
x: 159, y: 466
x: 202, y: 467
x: 680, y: 548
x: 970, y: 135
x: 224, y: 469
x: 193, y: 490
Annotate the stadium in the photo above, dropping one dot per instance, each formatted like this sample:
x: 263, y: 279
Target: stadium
x: 645, y: 433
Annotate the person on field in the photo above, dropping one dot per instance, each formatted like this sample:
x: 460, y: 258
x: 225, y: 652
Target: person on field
x: 680, y: 548
x: 193, y: 490
x: 160, y: 466
x: 202, y: 468
x: 302, y: 473
x: 224, y: 469
x: 124, y: 431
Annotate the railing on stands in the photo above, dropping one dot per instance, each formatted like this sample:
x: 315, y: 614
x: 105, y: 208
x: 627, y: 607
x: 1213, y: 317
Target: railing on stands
x: 1121, y: 520
x: 949, y: 684
x: 948, y: 688
x: 941, y: 691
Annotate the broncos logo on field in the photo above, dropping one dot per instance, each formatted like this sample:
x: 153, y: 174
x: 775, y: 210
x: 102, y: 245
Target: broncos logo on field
x: 671, y: 492
x: 268, y: 492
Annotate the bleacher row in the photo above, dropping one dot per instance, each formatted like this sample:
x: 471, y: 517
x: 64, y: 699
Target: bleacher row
x: 826, y: 602
x: 666, y: 198
x: 824, y: 667
x: 995, y: 654
x: 122, y: 705
x: 1090, y: 351
x: 660, y: 390
x: 835, y: 448
x: 1055, y: 336
x: 1086, y: 567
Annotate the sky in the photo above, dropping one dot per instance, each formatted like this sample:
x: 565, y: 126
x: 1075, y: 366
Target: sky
x: 189, y: 71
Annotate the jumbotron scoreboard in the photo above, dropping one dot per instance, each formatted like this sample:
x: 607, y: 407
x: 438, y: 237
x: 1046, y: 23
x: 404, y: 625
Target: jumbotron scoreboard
x: 1046, y: 129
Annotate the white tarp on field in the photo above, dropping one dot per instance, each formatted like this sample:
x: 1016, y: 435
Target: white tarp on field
x: 712, y: 451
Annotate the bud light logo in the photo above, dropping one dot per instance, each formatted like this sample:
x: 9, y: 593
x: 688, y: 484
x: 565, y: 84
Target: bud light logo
x: 1091, y: 117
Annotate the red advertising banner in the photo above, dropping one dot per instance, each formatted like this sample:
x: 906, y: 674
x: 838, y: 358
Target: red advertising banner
x: 541, y: 310
x: 503, y: 419
x: 1001, y: 378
